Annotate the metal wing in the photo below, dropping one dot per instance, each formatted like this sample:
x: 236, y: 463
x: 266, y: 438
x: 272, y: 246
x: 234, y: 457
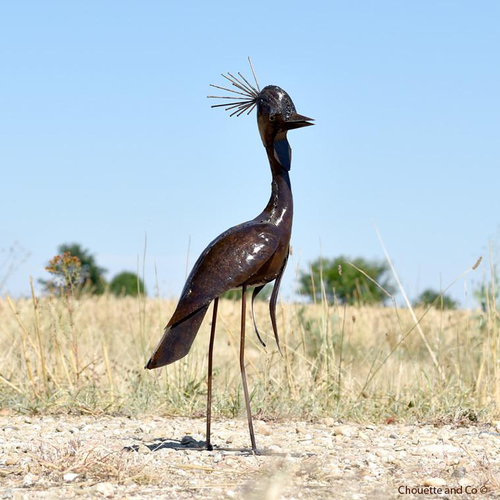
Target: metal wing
x: 228, y: 262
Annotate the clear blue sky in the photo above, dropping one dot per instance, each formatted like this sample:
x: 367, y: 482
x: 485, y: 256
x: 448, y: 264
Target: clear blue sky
x: 106, y: 133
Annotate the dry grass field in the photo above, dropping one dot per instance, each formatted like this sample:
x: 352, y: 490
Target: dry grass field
x: 360, y: 364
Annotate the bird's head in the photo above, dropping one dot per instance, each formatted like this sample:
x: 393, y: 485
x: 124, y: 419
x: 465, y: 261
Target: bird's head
x: 276, y: 113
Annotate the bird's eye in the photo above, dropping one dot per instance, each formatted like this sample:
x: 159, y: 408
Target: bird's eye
x: 271, y: 118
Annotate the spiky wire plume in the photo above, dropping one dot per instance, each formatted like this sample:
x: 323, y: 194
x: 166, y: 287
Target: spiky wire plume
x: 239, y: 104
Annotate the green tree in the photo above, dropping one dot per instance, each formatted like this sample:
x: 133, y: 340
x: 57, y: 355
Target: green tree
x: 338, y: 278
x: 91, y: 276
x: 127, y: 283
x: 431, y: 297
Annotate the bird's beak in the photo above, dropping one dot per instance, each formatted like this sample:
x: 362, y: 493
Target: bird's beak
x: 298, y: 121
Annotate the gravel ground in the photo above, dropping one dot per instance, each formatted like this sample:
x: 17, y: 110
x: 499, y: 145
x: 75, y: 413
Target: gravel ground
x: 118, y: 457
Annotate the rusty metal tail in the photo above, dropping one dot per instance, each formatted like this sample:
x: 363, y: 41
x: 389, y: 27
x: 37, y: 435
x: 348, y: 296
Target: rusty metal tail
x: 177, y: 340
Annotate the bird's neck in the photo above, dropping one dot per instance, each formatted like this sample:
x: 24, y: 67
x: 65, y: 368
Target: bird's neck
x: 280, y: 206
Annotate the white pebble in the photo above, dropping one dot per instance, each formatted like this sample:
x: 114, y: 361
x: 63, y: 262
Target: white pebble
x: 105, y: 489
x: 434, y: 481
x: 262, y: 428
x: 345, y: 430
x: 29, y: 480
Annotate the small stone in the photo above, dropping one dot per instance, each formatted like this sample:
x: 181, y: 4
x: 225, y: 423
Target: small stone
x: 230, y: 439
x: 345, y: 430
x: 434, y: 481
x: 29, y: 480
x: 275, y: 448
x: 300, y: 429
x: 70, y: 477
x: 217, y: 458
x: 459, y: 472
x: 105, y: 489
x: 329, y: 421
x: 393, y: 436
x: 231, y: 462
x: 445, y: 434
x: 389, y: 459
x: 262, y: 428
x: 11, y: 461
x: 81, y: 492
x: 334, y: 471
x: 439, y: 449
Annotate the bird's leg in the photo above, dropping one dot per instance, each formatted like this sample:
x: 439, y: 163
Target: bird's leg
x: 209, y: 390
x: 256, y: 291
x: 242, y: 367
x: 272, y: 302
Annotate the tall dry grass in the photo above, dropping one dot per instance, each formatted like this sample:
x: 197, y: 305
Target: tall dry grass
x: 361, y: 363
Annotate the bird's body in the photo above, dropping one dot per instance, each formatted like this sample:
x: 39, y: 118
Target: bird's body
x: 253, y: 253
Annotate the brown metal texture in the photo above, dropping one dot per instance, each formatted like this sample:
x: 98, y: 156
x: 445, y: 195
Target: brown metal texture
x: 250, y: 254
x: 243, y: 369
x: 209, y: 377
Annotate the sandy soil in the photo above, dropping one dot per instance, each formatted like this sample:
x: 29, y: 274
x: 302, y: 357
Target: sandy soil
x: 118, y: 457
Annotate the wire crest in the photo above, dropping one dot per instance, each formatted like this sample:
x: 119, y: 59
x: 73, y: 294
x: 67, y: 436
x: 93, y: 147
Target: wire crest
x: 246, y: 96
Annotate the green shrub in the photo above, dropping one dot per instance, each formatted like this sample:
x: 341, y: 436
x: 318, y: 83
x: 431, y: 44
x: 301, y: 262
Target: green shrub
x: 338, y: 278
x: 431, y: 297
x: 127, y: 283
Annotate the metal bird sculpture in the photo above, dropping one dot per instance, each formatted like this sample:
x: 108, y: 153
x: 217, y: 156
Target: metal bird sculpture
x: 253, y: 253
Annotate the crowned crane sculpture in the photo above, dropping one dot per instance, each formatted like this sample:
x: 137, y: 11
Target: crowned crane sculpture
x: 250, y: 254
